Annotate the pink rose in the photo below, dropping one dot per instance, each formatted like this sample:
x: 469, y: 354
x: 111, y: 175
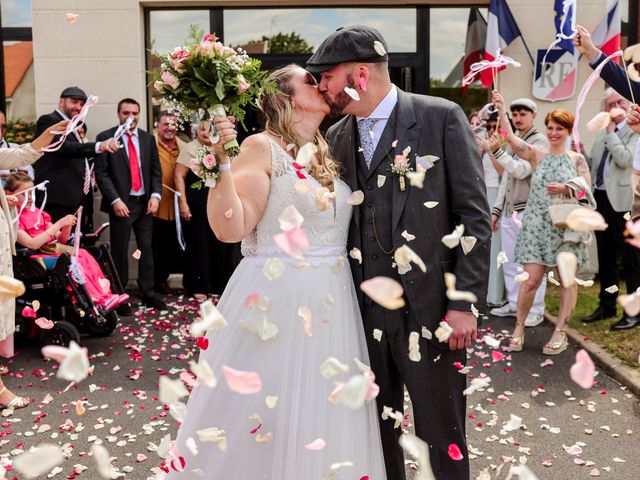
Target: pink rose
x: 243, y: 85
x: 209, y: 161
x: 179, y: 54
x: 401, y: 161
x: 210, y: 37
x: 194, y: 163
x: 205, y: 47
x: 170, y: 79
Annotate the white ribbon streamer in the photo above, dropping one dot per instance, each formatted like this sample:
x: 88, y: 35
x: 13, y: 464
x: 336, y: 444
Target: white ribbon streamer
x: 75, y: 268
x: 74, y: 124
x: 27, y: 191
x: 124, y: 128
x: 566, y: 6
x: 477, y: 67
x: 181, y: 242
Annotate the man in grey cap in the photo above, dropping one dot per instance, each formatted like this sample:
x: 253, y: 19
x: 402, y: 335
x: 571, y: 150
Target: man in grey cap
x: 383, y: 123
x: 66, y: 168
x: 510, y: 204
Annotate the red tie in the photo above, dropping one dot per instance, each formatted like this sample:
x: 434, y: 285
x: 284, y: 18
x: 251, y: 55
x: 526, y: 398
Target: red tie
x: 136, y: 181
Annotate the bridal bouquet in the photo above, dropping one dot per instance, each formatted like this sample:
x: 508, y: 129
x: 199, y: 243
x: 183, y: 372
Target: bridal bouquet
x: 206, y: 167
x: 208, y: 78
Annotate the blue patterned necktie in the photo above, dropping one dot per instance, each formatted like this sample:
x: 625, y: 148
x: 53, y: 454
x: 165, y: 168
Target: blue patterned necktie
x: 365, y: 129
x: 600, y: 172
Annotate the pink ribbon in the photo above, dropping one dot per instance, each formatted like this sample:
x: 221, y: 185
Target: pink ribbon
x: 74, y: 124
x: 497, y: 64
x: 585, y: 91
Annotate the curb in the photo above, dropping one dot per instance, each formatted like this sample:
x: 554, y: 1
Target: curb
x: 612, y: 366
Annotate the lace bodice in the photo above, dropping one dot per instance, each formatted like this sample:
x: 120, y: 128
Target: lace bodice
x: 326, y: 230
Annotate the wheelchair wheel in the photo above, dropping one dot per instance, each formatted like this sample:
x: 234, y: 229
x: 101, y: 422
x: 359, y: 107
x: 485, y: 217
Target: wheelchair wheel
x: 61, y: 334
x: 102, y: 326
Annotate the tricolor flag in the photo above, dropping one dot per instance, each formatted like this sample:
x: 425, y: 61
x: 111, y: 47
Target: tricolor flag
x: 565, y: 20
x: 606, y: 36
x: 474, y: 45
x: 502, y: 29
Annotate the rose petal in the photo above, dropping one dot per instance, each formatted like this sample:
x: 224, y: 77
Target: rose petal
x: 306, y: 153
x: 228, y: 214
x: 239, y: 381
x: 317, y: 444
x: 44, y: 323
x: 513, y: 424
x: 416, y: 179
x: 332, y: 367
x: 419, y: 451
x: 210, y: 319
x: 455, y: 295
x: 271, y: 401
x: 170, y: 391
x: 213, y: 435
x: 443, y: 332
x: 600, y: 121
x: 385, y: 291
x: 379, y: 48
x: 28, y: 312
x: 137, y: 254
x: 567, y: 268
x: 403, y: 257
x: 356, y: 254
x: 454, y: 452
x: 377, y: 334
x: 611, y: 289
x: 293, y: 242
x: 431, y: 204
x: 352, y: 93
x: 452, y: 240
x: 501, y: 259
x: 10, y: 288
x: 203, y: 373
x: 305, y: 313
x: 521, y: 277
x: 273, y: 268
x: 584, y: 219
x: 414, y: 347
x: 497, y: 356
x: 39, y: 461
x: 582, y: 370
x: 290, y: 218
x: 356, y: 198
x: 303, y: 187
x: 468, y: 243
x: 381, y: 180
x: 72, y: 18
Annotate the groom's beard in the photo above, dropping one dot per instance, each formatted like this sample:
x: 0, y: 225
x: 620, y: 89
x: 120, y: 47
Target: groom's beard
x: 342, y: 99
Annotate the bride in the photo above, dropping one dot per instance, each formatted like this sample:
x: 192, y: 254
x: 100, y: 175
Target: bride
x: 294, y: 322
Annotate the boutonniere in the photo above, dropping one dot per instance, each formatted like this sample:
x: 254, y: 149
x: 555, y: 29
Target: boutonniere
x: 400, y: 167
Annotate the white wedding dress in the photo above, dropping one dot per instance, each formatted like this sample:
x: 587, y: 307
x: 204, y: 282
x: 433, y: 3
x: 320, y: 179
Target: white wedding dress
x: 288, y: 364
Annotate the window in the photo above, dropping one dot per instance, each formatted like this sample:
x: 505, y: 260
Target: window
x: 16, y: 13
x: 170, y: 28
x: 303, y: 29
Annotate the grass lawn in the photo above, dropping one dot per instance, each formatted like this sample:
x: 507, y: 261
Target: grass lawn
x: 623, y: 344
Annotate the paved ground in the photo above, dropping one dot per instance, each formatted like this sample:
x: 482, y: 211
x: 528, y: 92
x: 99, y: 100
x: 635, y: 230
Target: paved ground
x: 123, y: 413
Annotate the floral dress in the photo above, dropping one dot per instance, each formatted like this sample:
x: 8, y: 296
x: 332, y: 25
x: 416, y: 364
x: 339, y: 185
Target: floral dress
x: 539, y: 241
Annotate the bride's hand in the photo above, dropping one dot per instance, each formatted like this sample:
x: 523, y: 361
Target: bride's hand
x: 227, y: 132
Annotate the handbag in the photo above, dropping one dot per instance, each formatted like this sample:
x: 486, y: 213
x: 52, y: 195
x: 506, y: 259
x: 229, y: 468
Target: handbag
x: 560, y: 210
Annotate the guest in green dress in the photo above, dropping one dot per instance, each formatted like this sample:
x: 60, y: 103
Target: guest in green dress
x: 555, y: 173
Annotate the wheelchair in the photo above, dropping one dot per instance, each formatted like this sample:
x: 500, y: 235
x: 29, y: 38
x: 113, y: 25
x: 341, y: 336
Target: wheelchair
x: 62, y: 299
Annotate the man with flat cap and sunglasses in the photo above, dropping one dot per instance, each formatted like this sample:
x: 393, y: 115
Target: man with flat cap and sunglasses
x: 397, y: 211
x: 66, y: 168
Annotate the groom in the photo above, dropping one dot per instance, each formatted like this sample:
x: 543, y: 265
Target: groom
x: 362, y: 141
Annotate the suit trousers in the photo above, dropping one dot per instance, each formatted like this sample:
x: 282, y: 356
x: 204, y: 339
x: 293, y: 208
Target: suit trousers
x: 439, y: 415
x: 508, y: 236
x: 167, y: 255
x: 142, y: 226
x: 611, y: 245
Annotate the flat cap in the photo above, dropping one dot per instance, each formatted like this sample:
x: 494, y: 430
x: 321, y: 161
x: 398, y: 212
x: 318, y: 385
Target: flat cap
x: 524, y: 103
x: 74, y: 92
x: 356, y: 43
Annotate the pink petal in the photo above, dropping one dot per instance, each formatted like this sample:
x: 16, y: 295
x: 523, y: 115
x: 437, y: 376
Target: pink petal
x: 189, y: 379
x: 497, y: 356
x: 374, y: 388
x: 251, y: 300
x: 317, y: 444
x: 44, y: 323
x: 454, y: 452
x: 28, y: 312
x: 245, y: 383
x: 582, y: 371
x: 292, y: 242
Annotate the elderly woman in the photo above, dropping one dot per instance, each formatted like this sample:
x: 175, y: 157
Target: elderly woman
x: 14, y: 158
x: 555, y: 172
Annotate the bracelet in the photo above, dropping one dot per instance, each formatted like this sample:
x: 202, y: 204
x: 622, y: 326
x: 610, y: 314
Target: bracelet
x: 224, y: 166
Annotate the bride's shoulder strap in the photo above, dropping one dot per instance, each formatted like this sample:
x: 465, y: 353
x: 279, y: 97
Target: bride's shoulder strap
x: 280, y: 159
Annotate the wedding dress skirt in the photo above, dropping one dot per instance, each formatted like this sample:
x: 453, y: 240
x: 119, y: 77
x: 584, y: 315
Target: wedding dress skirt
x: 313, y: 306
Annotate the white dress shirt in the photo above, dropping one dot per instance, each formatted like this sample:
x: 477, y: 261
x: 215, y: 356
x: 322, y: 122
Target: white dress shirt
x: 382, y: 113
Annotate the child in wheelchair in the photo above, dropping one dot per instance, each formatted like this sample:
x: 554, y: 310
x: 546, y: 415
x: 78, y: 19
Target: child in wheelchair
x: 37, y: 232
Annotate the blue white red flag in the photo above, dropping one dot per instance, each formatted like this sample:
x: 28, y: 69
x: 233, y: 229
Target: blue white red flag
x: 502, y: 29
x: 606, y: 36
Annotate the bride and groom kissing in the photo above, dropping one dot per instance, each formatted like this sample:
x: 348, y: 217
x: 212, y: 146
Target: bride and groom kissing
x: 287, y: 427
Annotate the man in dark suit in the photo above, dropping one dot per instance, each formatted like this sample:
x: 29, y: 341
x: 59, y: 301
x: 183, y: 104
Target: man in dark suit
x: 131, y: 184
x: 65, y: 168
x: 383, y: 123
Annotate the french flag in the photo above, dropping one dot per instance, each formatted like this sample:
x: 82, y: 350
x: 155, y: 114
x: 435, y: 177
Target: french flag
x: 502, y: 29
x: 474, y: 44
x: 606, y: 36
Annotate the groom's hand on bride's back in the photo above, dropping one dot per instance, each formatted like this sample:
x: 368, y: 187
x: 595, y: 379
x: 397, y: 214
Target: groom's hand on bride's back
x: 465, y: 329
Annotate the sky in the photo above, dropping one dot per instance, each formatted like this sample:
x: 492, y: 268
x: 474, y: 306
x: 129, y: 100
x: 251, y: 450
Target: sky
x: 16, y: 13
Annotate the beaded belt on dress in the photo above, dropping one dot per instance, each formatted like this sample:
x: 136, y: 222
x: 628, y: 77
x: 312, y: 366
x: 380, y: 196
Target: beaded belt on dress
x: 315, y: 251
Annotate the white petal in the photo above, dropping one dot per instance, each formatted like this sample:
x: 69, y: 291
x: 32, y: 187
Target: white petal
x: 416, y: 179
x: 418, y: 450
x: 407, y: 236
x: 426, y: 161
x: 381, y: 180
x: 306, y: 154
x: 426, y: 333
x: 630, y: 303
x: 303, y: 187
x: 210, y: 319
x: 384, y: 291
x: 414, y: 347
x: 356, y: 198
x: 453, y: 239
x: 611, y: 289
x: 468, y: 243
x: 171, y: 391
x: 521, y: 277
x: 403, y: 256
x: 239, y: 381
x: 305, y: 313
x: 453, y: 294
x: 290, y: 218
x: 567, y: 268
x: 476, y: 384
x: 353, y: 393
x: 190, y: 443
x: 584, y: 219
x: 377, y: 334
x: 514, y: 423
x: 332, y: 367
x: 501, y: 259
x: 75, y: 366
x: 213, y: 435
x: 317, y: 444
x: 431, y: 204
x: 203, y: 372
x: 178, y: 411
x: 443, y: 332
x: 356, y: 254
x: 552, y: 279
x: 491, y: 341
x: 584, y: 283
x: 271, y: 401
x: 10, y: 288
x: 273, y: 268
x: 379, y: 48
x: 38, y: 460
x: 352, y: 93
x: 101, y: 457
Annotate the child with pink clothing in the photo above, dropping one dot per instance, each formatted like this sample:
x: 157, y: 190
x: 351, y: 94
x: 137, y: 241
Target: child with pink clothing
x: 37, y: 232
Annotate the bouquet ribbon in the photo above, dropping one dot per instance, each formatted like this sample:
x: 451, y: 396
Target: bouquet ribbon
x: 74, y: 124
x: 585, y: 91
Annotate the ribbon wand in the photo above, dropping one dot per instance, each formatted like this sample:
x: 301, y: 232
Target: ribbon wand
x: 122, y: 129
x: 176, y: 214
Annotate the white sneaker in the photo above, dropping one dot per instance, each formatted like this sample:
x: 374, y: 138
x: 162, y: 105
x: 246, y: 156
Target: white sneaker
x: 503, y: 311
x: 533, y: 320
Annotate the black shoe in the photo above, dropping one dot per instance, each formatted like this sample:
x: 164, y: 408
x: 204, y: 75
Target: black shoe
x: 124, y: 310
x: 154, y: 302
x: 164, y: 288
x: 599, y: 314
x: 625, y: 323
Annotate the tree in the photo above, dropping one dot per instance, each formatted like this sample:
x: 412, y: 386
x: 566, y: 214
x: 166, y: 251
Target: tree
x: 286, y: 43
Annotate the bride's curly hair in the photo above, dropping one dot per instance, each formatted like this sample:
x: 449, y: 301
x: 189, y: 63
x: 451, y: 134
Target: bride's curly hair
x: 280, y: 119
